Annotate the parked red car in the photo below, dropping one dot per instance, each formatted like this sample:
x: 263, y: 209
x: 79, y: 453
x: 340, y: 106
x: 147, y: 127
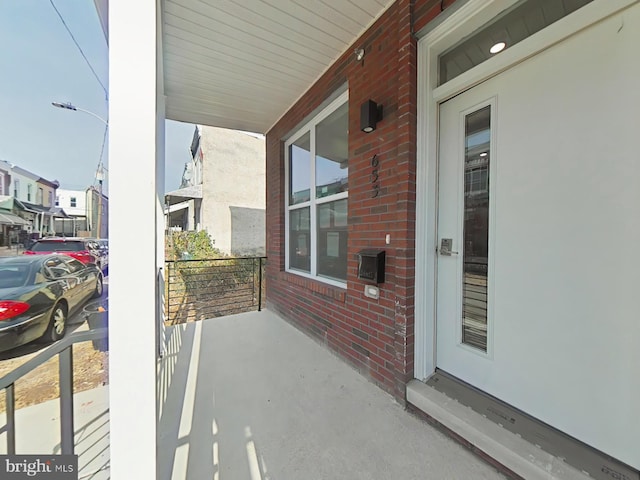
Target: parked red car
x: 82, y: 249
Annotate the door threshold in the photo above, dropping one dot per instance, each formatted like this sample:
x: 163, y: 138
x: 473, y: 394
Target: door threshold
x: 522, y: 444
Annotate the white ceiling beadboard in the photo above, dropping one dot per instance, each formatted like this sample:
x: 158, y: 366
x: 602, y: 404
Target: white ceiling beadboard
x: 242, y: 64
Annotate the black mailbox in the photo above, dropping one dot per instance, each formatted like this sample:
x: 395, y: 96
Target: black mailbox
x: 371, y: 265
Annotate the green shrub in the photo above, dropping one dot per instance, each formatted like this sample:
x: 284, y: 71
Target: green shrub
x: 190, y: 245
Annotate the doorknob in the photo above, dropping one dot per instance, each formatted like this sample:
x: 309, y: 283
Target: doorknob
x: 445, y: 247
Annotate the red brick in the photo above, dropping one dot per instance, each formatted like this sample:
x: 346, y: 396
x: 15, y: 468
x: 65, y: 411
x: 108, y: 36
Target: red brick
x: 388, y: 75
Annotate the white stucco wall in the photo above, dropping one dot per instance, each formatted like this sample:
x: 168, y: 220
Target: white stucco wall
x: 23, y: 182
x: 64, y: 202
x: 247, y: 231
x: 93, y: 207
x: 233, y: 178
x: 5, y: 178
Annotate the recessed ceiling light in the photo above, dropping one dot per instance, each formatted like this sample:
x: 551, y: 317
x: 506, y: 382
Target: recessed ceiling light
x: 483, y: 154
x: 498, y: 47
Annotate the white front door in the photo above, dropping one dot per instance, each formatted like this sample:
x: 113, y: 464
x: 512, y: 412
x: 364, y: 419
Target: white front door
x: 538, y: 236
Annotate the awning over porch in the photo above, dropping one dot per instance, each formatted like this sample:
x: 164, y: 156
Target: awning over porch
x: 8, y: 218
x: 183, y: 194
x: 242, y: 65
x: 8, y: 205
x: 6, y: 202
x: 51, y: 211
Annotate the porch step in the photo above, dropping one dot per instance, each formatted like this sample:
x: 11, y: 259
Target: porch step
x: 508, y: 449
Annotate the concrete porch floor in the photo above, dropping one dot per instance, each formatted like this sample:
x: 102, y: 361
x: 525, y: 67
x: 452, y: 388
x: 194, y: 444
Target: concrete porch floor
x: 250, y: 397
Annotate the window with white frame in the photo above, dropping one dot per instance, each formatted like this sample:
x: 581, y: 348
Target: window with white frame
x: 73, y: 202
x: 1, y: 183
x: 16, y: 188
x: 28, y: 193
x: 317, y: 174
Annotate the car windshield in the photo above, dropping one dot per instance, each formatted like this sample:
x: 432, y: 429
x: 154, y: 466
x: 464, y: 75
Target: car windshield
x: 13, y: 275
x: 55, y: 246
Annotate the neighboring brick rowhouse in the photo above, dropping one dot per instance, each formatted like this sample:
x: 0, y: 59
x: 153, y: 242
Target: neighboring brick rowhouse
x: 376, y: 336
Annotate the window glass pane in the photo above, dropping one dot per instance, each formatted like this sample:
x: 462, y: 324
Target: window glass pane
x: 332, y: 153
x: 476, y: 228
x: 318, y: 168
x: 300, y: 239
x: 300, y: 170
x: 332, y: 239
x: 510, y: 27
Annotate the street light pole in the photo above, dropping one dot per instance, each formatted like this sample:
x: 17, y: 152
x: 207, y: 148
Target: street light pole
x: 69, y: 106
x: 100, y: 171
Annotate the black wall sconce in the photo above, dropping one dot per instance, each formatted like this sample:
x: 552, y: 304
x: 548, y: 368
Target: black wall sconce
x: 370, y: 114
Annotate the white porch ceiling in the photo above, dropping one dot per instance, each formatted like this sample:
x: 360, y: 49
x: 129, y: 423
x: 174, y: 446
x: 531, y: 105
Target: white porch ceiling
x: 242, y: 63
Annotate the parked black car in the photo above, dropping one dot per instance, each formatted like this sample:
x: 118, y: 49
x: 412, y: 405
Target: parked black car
x: 38, y: 293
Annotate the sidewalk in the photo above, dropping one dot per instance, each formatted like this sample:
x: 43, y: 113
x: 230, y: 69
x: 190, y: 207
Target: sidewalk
x: 38, y: 431
x: 11, y: 251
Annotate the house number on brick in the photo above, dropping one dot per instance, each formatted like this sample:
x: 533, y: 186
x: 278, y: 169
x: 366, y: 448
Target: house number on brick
x: 375, y: 184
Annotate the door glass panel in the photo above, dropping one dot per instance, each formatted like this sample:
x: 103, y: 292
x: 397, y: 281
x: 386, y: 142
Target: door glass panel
x: 476, y: 228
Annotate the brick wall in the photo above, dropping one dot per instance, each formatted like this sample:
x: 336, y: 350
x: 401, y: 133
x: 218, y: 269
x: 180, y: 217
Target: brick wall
x: 375, y: 336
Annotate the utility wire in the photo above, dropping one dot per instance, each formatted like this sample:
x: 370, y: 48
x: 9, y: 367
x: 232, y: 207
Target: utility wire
x: 106, y: 93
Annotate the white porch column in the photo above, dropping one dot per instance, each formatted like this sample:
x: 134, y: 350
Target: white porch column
x: 133, y: 162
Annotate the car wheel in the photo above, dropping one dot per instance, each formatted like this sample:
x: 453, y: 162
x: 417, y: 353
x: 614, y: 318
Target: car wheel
x: 57, y: 324
x: 99, y: 288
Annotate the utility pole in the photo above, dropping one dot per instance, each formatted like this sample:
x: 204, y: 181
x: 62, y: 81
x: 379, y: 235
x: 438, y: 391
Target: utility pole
x: 100, y: 172
x: 100, y: 178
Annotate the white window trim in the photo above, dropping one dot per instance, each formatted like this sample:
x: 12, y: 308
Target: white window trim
x: 310, y: 127
x: 459, y: 24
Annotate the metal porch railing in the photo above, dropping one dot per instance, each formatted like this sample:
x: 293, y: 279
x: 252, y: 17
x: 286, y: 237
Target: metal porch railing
x: 64, y: 348
x: 208, y: 288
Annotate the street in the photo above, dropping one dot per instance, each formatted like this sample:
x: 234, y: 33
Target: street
x: 90, y: 366
x: 75, y: 323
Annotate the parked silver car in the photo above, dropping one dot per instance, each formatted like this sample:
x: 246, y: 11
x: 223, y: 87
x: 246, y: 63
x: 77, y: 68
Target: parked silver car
x: 100, y: 248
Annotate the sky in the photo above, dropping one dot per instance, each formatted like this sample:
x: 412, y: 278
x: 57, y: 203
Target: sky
x: 40, y: 64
